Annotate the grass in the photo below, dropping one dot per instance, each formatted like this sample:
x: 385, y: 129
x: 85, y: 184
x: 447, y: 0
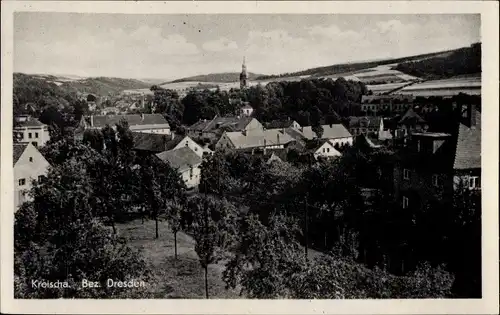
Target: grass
x: 181, y: 278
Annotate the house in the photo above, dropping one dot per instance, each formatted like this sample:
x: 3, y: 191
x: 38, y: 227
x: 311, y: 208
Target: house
x: 432, y: 164
x: 321, y: 148
x: 246, y: 110
x: 149, y: 143
x: 213, y: 129
x: 367, y: 125
x: 187, y: 163
x: 30, y: 129
x: 409, y: 123
x: 335, y: 133
x: 392, y: 103
x: 283, y: 124
x: 244, y: 140
x: 29, y: 164
x: 147, y: 123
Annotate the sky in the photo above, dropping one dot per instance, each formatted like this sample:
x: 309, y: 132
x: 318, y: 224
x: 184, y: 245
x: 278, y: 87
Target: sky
x: 166, y: 46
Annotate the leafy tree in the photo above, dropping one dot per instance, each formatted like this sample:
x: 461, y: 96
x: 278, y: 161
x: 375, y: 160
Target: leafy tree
x: 161, y: 185
x: 211, y: 222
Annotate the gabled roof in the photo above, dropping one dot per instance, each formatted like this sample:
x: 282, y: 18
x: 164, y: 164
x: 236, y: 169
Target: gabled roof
x: 332, y: 131
x: 133, y: 120
x: 181, y: 159
x: 232, y: 123
x: 18, y: 150
x: 468, y: 150
x: 268, y: 137
x: 28, y: 121
x: 280, y: 124
x: 411, y: 116
x: 364, y: 122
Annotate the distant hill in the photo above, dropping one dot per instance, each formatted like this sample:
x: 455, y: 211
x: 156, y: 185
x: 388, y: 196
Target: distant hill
x: 357, y: 66
x: 226, y: 77
x: 101, y: 86
x: 463, y: 61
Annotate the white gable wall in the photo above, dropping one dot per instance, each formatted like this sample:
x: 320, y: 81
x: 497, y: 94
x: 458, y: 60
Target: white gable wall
x: 27, y: 169
x: 326, y: 150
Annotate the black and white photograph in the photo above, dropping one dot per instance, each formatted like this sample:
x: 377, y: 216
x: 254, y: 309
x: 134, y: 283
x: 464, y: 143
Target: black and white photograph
x: 246, y: 156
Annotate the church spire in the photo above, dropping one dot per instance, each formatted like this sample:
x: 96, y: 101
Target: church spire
x: 243, y: 75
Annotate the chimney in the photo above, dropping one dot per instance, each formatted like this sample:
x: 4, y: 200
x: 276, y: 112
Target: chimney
x: 142, y: 116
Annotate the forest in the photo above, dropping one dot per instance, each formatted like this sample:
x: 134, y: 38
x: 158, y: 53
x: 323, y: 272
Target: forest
x: 462, y: 61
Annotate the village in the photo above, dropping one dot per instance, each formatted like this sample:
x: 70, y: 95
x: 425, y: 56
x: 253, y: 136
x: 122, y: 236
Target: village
x: 185, y: 165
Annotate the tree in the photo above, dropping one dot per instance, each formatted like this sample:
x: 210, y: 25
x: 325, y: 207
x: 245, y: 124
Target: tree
x: 211, y: 222
x: 160, y: 185
x: 174, y: 217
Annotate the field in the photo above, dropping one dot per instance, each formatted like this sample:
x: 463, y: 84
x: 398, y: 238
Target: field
x: 181, y: 278
x: 446, y: 87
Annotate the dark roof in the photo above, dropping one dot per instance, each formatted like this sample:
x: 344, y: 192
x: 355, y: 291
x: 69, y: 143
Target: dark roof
x: 232, y: 123
x: 181, y: 158
x: 133, y: 120
x: 468, y: 152
x: 28, y: 122
x: 411, y: 116
x: 364, y: 122
x: 18, y: 151
x: 314, y: 145
x: 151, y: 141
x: 279, y: 124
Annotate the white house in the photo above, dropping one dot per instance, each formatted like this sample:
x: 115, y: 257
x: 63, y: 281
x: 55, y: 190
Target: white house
x: 187, y: 163
x: 246, y: 110
x: 324, y: 148
x: 29, y: 164
x: 31, y: 130
x: 335, y: 133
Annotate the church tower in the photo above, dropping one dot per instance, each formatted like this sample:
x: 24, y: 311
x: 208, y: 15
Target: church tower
x: 243, y: 76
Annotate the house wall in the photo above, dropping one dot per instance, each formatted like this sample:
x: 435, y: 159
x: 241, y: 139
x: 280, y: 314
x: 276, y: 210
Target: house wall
x: 420, y: 188
x: 326, y: 150
x: 36, y: 135
x: 27, y: 170
x: 341, y: 141
x: 163, y: 130
x: 192, y: 176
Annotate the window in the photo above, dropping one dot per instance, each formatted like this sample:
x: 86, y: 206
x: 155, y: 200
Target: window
x: 22, y: 182
x: 196, y: 149
x: 474, y: 182
x: 187, y: 144
x: 406, y: 202
x: 36, y: 134
x: 327, y: 149
x: 191, y: 173
x: 324, y: 150
x: 35, y: 144
x: 435, y: 180
x: 406, y: 174
x: 31, y: 159
x: 29, y: 135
